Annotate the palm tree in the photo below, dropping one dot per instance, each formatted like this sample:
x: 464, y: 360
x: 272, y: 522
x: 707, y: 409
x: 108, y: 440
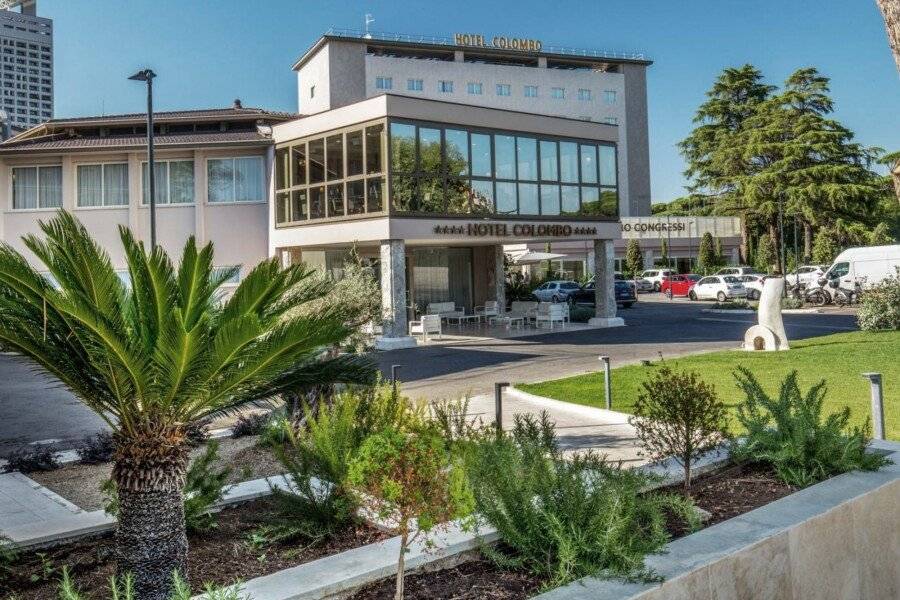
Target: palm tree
x: 156, y: 355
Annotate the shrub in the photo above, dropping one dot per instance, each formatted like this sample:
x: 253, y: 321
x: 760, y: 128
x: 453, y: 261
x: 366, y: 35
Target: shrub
x: 8, y: 557
x: 679, y: 415
x: 408, y: 476
x: 791, y: 433
x: 123, y: 589
x: 563, y: 519
x: 32, y: 459
x: 581, y: 314
x: 791, y: 303
x: 204, y: 488
x: 196, y: 433
x: 451, y: 418
x: 736, y: 304
x: 96, y: 449
x: 879, y: 306
x: 250, y: 424
x: 316, y: 457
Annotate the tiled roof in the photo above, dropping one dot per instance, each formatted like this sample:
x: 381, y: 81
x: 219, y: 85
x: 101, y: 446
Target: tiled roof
x: 118, y: 142
x: 199, y: 114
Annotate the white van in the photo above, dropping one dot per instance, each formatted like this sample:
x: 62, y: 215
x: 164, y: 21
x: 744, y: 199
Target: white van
x: 867, y: 266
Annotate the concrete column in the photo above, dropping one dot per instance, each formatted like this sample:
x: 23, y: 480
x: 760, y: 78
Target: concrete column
x: 604, y: 286
x: 589, y: 263
x: 395, y: 331
x: 459, y: 56
x: 200, y: 197
x: 500, y: 277
x: 136, y: 162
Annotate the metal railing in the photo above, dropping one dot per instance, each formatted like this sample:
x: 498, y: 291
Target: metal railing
x: 437, y: 40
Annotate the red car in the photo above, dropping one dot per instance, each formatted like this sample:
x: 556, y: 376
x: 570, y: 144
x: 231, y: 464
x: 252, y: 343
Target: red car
x: 680, y: 285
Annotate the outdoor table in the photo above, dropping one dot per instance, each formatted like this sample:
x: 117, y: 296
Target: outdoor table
x: 508, y: 321
x: 461, y: 318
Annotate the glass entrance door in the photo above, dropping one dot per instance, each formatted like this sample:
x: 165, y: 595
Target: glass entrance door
x: 442, y: 275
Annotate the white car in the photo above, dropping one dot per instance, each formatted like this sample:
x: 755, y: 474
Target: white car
x: 738, y: 271
x: 754, y: 285
x: 656, y: 276
x: 807, y: 275
x: 718, y: 287
x: 555, y: 291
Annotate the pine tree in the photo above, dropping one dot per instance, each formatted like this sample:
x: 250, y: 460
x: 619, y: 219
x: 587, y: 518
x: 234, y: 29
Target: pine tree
x: 634, y: 258
x: 880, y: 236
x: 825, y: 246
x: 766, y: 254
x: 706, y: 255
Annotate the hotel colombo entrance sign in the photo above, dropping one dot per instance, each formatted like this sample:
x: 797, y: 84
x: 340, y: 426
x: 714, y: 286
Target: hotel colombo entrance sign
x: 498, y: 41
x: 517, y: 230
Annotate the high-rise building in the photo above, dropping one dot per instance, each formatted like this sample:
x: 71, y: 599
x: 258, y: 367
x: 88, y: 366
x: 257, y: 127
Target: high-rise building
x: 26, y: 64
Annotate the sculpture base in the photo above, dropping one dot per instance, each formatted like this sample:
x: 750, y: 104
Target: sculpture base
x: 606, y: 321
x: 395, y: 343
x: 761, y: 338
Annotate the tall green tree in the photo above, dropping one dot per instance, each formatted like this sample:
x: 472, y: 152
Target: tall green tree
x: 634, y: 258
x: 766, y: 255
x: 825, y: 246
x: 706, y: 253
x: 152, y: 357
x: 664, y: 252
x: 733, y: 98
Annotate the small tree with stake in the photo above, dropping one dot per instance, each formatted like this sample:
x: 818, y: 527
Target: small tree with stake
x: 679, y: 415
x: 409, y: 477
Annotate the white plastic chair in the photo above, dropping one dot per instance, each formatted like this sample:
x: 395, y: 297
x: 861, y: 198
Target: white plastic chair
x: 425, y: 326
x: 550, y: 312
x: 490, y: 309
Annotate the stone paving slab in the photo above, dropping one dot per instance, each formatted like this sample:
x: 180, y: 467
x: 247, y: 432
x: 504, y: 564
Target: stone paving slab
x: 23, y: 501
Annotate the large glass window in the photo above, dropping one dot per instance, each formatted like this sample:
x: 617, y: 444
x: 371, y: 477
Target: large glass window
x: 340, y: 174
x: 174, y: 182
x: 240, y: 179
x: 36, y: 187
x: 454, y: 170
x: 102, y: 185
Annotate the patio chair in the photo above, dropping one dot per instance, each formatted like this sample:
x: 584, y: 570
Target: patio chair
x: 490, y: 309
x: 428, y: 324
x: 550, y: 312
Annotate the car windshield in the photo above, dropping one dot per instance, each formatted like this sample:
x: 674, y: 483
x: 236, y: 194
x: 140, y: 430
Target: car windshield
x: 622, y: 285
x: 569, y: 286
x: 693, y: 277
x: 730, y: 279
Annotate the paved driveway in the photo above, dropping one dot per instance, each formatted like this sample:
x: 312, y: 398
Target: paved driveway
x: 33, y: 407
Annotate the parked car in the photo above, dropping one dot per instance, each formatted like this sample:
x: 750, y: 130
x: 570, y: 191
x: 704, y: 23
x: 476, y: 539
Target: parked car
x: 806, y: 275
x: 754, y: 285
x: 656, y: 276
x: 680, y: 285
x: 639, y: 284
x: 586, y: 295
x: 555, y: 291
x: 718, y: 287
x: 739, y: 270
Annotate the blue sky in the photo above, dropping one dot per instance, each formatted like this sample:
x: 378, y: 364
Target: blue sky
x: 207, y: 53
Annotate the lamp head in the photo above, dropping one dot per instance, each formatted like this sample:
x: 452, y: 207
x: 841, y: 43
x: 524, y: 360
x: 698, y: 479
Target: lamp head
x: 144, y: 75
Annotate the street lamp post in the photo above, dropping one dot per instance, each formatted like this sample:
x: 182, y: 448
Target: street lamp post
x: 148, y: 75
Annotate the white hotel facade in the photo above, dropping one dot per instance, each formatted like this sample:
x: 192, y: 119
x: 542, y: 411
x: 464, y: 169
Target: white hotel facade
x: 428, y: 156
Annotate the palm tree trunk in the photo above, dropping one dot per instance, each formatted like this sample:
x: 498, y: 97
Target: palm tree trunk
x: 151, y: 542
x: 890, y: 10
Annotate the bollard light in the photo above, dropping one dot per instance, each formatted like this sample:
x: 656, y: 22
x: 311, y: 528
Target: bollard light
x: 498, y: 406
x: 394, y: 369
x: 607, y: 383
x: 877, y: 405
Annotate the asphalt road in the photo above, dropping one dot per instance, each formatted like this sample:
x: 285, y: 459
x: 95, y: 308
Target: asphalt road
x: 34, y: 407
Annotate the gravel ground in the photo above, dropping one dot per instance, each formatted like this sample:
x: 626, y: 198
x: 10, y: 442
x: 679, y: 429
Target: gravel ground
x: 80, y: 484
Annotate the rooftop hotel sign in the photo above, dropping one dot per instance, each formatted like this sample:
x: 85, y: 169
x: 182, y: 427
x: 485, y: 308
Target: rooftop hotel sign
x: 498, y: 41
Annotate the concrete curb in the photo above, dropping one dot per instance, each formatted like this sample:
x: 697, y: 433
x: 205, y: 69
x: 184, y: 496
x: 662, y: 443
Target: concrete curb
x: 732, y: 311
x: 800, y: 311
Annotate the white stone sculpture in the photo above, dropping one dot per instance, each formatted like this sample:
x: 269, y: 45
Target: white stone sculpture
x: 769, y: 333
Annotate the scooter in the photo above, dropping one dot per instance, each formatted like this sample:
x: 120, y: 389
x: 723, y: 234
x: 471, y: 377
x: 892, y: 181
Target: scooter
x: 821, y: 296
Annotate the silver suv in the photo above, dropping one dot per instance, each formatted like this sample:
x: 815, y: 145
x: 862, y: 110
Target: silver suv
x: 555, y: 291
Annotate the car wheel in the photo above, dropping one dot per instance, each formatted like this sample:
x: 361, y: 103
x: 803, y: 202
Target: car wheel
x: 656, y: 286
x: 721, y: 297
x: 692, y: 295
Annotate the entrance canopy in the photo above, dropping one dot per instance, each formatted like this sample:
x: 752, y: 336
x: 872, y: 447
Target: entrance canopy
x: 529, y: 257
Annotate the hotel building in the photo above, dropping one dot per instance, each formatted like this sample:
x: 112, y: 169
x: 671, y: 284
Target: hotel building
x: 427, y: 156
x: 26, y: 64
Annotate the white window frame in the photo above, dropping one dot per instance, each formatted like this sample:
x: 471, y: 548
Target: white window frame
x: 38, y: 174
x: 234, y: 182
x: 475, y: 88
x: 415, y: 85
x: 504, y: 89
x: 558, y: 93
x: 104, y: 205
x: 168, y: 201
x: 610, y: 97
x: 384, y: 83
x: 445, y: 86
x: 533, y: 88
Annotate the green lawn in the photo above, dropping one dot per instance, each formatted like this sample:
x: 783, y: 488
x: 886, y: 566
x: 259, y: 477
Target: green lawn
x: 839, y: 359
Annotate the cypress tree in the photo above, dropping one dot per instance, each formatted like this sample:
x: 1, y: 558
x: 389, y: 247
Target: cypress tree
x: 706, y: 255
x: 634, y: 258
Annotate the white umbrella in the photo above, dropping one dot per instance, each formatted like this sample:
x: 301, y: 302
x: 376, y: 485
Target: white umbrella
x: 530, y: 258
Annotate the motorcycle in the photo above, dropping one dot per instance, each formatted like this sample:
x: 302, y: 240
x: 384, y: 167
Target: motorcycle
x: 821, y: 296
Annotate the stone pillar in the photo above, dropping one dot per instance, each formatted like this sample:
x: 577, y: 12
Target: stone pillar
x: 395, y: 332
x: 604, y: 286
x: 500, y: 278
x: 589, y: 263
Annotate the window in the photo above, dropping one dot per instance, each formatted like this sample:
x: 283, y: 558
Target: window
x: 503, y: 89
x: 609, y: 96
x: 414, y: 85
x: 558, y: 93
x: 445, y: 87
x: 384, y: 83
x: 531, y: 91
x: 584, y: 95
x: 174, y: 182
x: 312, y: 91
x: 103, y: 185
x: 36, y: 187
x: 474, y: 88
x: 236, y: 179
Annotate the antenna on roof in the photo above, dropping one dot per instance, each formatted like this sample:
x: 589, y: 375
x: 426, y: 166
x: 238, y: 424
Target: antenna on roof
x: 369, y: 19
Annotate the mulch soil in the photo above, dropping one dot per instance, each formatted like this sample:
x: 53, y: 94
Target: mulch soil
x: 220, y: 556
x: 725, y: 493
